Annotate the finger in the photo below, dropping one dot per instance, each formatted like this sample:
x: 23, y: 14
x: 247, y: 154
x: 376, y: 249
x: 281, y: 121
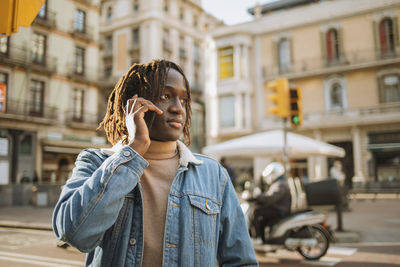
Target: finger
x: 140, y: 102
x: 149, y: 106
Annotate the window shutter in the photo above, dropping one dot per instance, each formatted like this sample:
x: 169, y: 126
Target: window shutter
x: 342, y: 55
x: 275, y: 53
x: 323, y: 47
x: 381, y: 89
x: 396, y: 33
x: 376, y: 38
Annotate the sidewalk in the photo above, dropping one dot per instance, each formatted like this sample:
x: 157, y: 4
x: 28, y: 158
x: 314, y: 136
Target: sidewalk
x: 370, y: 220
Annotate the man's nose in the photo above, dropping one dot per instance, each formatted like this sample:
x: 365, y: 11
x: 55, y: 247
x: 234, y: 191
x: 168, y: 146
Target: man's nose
x: 177, y: 106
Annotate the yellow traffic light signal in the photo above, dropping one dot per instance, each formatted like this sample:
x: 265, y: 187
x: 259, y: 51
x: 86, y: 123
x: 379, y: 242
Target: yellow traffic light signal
x: 296, y: 108
x: 280, y: 97
x: 15, y: 13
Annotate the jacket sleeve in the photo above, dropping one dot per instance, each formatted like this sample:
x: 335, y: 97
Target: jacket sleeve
x: 93, y: 196
x: 234, y: 245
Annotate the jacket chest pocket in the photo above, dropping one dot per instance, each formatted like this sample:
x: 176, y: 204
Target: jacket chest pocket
x: 204, y: 213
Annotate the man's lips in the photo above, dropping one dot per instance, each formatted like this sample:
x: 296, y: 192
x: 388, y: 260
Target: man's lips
x: 175, y: 123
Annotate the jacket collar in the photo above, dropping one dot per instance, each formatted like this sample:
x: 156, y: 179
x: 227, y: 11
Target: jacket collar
x: 186, y: 156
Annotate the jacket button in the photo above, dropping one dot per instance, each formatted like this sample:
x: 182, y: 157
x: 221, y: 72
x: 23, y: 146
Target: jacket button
x: 132, y: 241
x: 127, y: 153
x: 207, y: 206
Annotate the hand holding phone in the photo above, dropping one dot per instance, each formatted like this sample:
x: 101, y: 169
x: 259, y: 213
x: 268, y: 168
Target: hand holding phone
x: 137, y: 108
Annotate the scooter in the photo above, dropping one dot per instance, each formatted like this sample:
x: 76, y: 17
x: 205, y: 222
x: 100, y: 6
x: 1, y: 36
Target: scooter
x: 303, y: 231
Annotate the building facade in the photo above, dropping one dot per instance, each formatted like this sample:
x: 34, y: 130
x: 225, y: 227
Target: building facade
x: 134, y: 31
x: 49, y: 86
x: 344, y: 55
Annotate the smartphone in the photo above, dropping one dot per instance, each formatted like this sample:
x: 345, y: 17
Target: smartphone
x: 149, y: 117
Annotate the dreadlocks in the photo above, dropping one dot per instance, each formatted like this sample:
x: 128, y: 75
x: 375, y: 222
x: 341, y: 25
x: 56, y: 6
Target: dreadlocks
x: 147, y: 81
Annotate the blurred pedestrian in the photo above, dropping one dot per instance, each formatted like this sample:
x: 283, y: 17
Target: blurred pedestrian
x: 229, y: 169
x: 336, y: 172
x: 25, y: 178
x: 149, y: 201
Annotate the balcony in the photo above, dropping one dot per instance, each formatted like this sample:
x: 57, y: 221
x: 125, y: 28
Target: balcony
x: 382, y: 113
x: 47, y: 66
x: 22, y: 57
x: 347, y: 62
x: 48, y: 21
x: 85, y: 34
x: 23, y: 110
x: 87, y: 75
x: 108, y: 81
x: 83, y: 121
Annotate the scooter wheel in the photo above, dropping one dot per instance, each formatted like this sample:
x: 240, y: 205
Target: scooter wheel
x: 320, y: 249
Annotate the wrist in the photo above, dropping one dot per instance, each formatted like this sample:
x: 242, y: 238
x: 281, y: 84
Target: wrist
x: 140, y: 147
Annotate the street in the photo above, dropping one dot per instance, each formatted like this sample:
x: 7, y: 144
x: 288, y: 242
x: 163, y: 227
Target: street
x: 23, y: 247
x: 361, y: 254
x: 376, y: 221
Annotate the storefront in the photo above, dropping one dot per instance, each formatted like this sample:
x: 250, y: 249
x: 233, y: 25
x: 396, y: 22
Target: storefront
x: 385, y: 162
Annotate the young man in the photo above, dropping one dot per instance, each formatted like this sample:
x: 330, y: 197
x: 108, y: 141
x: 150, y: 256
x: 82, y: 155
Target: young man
x: 150, y: 201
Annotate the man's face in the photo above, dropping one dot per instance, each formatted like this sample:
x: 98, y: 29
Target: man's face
x: 169, y: 125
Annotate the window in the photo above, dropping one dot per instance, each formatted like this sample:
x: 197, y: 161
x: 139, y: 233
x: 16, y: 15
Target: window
x: 108, y: 72
x: 166, y: 6
x: 181, y: 13
x: 77, y: 104
x: 135, y: 5
x: 227, y: 111
x: 38, y: 48
x: 390, y: 88
x: 4, y: 45
x: 284, y: 55
x: 136, y: 38
x: 36, y: 98
x: 4, y: 78
x: 335, y: 92
x: 332, y: 46
x: 166, y: 40
x: 196, y: 53
x: 336, y: 96
x: 182, y: 49
x: 386, y: 37
x: 109, y: 13
x: 109, y: 44
x: 195, y: 21
x: 43, y: 11
x: 225, y: 62
x: 3, y: 91
x: 79, y: 60
x: 80, y: 21
x: 25, y: 147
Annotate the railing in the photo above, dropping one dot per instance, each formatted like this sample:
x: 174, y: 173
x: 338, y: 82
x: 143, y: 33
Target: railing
x: 312, y: 65
x: 22, y: 57
x: 84, y: 118
x: 354, y: 113
x: 48, y: 21
x: 86, y: 34
x: 87, y: 75
x: 25, y: 108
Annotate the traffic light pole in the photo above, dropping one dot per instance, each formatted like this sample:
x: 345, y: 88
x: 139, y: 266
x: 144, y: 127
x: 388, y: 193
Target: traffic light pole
x: 285, y: 148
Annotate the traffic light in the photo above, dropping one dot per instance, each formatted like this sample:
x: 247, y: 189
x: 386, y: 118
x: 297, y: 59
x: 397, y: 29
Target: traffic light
x: 15, y: 13
x: 280, y: 97
x: 296, y: 108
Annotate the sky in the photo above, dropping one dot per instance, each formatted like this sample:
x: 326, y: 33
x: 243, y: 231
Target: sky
x: 231, y: 11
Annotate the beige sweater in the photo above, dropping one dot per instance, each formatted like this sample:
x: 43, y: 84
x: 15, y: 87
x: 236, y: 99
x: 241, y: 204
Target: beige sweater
x: 156, y: 181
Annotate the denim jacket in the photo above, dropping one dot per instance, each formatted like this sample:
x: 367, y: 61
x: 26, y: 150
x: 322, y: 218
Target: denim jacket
x: 100, y: 212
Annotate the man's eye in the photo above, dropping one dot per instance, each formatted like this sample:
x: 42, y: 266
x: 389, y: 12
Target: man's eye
x: 184, y: 101
x: 164, y: 97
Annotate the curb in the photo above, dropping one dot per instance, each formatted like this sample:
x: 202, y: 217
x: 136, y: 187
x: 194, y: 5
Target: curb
x: 347, y: 237
x: 26, y: 225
